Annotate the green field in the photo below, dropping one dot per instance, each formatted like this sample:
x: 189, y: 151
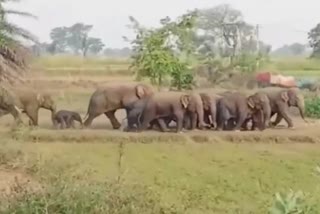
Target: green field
x: 100, y: 170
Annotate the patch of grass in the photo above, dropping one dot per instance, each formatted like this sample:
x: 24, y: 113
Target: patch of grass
x: 76, y: 61
x: 295, y: 66
x: 74, y: 65
x: 171, y: 178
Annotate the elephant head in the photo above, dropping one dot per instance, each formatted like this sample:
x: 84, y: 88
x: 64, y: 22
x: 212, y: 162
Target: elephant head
x: 45, y: 101
x: 143, y: 90
x: 294, y: 98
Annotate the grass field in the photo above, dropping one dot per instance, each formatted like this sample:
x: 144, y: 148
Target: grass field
x: 100, y: 170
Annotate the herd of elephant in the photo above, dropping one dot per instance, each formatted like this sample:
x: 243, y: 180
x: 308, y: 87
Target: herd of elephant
x: 148, y: 109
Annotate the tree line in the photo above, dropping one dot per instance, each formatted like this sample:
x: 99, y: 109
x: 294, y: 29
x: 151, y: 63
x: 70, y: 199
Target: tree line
x: 76, y: 40
x: 218, y: 36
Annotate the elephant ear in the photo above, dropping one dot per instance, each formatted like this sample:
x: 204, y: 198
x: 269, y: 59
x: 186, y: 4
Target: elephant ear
x: 40, y: 99
x: 140, y: 91
x: 185, y: 99
x: 250, y: 102
x: 284, y: 96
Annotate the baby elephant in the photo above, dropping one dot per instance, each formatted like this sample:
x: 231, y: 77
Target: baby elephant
x: 66, y: 119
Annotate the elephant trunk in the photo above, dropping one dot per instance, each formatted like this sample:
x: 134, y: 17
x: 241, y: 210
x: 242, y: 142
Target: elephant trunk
x: 300, y: 106
x: 200, y: 113
x: 213, y: 112
x: 267, y: 114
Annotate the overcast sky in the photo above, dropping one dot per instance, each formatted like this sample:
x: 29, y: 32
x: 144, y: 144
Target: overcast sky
x: 282, y: 21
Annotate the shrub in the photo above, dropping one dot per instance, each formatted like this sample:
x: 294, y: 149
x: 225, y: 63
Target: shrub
x: 108, y: 197
x: 312, y: 107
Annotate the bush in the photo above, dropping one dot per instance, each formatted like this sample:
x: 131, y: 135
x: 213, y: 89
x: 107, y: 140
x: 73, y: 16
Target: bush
x: 312, y: 107
x: 108, y: 197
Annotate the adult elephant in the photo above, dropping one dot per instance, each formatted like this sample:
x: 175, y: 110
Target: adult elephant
x: 173, y: 105
x: 263, y: 99
x: 30, y: 101
x: 237, y: 107
x: 106, y: 100
x: 280, y: 101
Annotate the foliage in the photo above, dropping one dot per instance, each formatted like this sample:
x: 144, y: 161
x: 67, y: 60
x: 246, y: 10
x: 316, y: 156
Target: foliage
x: 75, y: 38
x: 314, y: 41
x: 312, y: 107
x: 165, y: 51
x: 226, y: 33
x: 107, y: 197
x: 292, y: 203
x: 13, y: 55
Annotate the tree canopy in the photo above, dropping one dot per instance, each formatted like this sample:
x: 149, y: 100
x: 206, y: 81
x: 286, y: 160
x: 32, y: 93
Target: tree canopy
x: 75, y: 39
x: 314, y: 41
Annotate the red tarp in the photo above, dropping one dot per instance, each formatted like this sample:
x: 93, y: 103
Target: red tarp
x: 279, y: 80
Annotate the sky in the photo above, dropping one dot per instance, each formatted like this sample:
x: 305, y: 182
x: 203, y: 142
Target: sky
x: 282, y: 21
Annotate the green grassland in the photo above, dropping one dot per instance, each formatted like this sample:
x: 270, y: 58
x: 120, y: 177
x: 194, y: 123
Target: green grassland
x: 101, y: 170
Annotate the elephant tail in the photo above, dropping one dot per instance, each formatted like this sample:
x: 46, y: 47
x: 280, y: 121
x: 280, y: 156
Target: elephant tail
x: 86, y: 117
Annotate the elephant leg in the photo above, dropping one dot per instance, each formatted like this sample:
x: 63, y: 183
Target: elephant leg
x: 114, y: 122
x: 179, y: 118
x: 63, y: 124
x: 68, y: 121
x: 285, y: 115
x: 163, y: 125
x: 194, y: 118
x: 187, y: 122
x: 55, y: 123
x: 16, y: 115
x: 33, y: 115
x: 240, y: 120
x: 244, y: 126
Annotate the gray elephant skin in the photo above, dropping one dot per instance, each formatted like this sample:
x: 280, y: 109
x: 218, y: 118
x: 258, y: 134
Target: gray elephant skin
x: 173, y: 105
x: 238, y: 108
x: 106, y: 100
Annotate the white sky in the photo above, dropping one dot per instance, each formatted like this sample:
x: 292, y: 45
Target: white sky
x: 281, y: 21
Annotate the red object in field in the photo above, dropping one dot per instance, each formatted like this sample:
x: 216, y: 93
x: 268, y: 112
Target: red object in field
x: 263, y: 77
x: 276, y: 80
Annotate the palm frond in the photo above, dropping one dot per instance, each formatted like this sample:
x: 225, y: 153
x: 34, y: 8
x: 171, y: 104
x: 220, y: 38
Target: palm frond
x: 16, y: 31
x: 19, y: 13
x: 13, y: 55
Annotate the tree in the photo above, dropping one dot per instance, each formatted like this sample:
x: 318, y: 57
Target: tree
x: 314, y: 41
x: 13, y: 54
x: 223, y: 26
x: 76, y: 39
x: 294, y: 49
x: 92, y: 45
x: 164, y: 51
x: 59, y: 37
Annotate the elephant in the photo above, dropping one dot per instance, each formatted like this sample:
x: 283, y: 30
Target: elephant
x: 31, y: 101
x: 238, y: 107
x: 280, y: 101
x: 8, y: 105
x: 266, y: 108
x: 134, y: 111
x: 134, y: 116
x: 210, y: 107
x: 173, y: 104
x: 106, y: 100
x: 66, y: 119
